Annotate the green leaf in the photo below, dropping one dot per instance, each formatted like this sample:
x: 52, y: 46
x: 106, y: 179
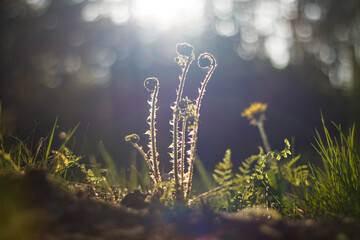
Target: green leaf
x: 50, y: 140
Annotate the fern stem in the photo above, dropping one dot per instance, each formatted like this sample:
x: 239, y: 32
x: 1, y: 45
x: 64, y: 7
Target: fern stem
x: 153, y: 133
x: 205, y: 194
x: 182, y: 158
x: 152, y: 85
x: 147, y: 160
x: 175, y: 151
x: 211, y: 66
x: 176, y: 119
x: 263, y: 135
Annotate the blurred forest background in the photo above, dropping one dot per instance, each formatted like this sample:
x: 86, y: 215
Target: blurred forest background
x: 85, y: 61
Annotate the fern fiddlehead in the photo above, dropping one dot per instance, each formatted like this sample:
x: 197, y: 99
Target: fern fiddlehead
x: 184, y: 59
x: 152, y: 85
x: 208, y: 62
x: 184, y: 124
x: 134, y: 139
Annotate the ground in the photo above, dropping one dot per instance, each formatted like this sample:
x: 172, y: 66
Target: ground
x: 37, y: 206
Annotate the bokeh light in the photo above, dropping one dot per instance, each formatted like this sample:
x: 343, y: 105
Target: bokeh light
x: 280, y: 30
x: 312, y: 11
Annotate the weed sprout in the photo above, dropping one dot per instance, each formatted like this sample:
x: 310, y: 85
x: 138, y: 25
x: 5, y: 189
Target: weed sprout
x: 256, y: 114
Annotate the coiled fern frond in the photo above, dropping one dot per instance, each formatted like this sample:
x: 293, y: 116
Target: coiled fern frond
x: 184, y: 59
x: 152, y: 85
x: 205, y: 61
x: 184, y: 124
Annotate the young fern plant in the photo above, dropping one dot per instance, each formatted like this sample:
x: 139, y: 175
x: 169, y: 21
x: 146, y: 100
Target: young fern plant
x: 205, y: 61
x: 184, y: 124
x: 184, y: 59
x: 253, y: 185
x: 152, y: 85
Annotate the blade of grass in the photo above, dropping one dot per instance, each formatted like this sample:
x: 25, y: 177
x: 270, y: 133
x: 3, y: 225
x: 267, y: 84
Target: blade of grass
x: 205, y: 177
x: 109, y: 163
x: 145, y: 176
x: 1, y: 137
x: 122, y: 178
x: 50, y: 140
x: 68, y: 137
x: 133, y: 178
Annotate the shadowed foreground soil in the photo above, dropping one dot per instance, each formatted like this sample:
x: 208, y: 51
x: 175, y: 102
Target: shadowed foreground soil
x: 34, y: 207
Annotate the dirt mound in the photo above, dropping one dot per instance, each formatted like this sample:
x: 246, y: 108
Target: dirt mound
x: 35, y: 206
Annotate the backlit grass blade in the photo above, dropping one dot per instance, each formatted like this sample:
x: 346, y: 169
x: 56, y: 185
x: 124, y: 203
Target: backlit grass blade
x: 204, y: 174
x: 50, y: 140
x: 109, y: 163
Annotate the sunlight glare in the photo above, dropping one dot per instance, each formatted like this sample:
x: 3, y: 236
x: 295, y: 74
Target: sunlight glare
x: 166, y: 14
x: 38, y: 4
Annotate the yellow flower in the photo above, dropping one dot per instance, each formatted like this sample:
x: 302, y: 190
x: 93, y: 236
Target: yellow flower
x: 255, y: 110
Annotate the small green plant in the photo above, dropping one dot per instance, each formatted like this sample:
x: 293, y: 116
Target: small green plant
x: 262, y: 178
x: 184, y: 124
x: 20, y: 158
x: 335, y: 186
x: 66, y: 160
x: 258, y: 182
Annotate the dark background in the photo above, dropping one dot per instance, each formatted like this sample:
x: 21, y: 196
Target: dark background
x: 55, y: 62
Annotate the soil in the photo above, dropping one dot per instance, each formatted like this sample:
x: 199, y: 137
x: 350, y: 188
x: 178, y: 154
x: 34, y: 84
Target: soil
x: 34, y: 206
